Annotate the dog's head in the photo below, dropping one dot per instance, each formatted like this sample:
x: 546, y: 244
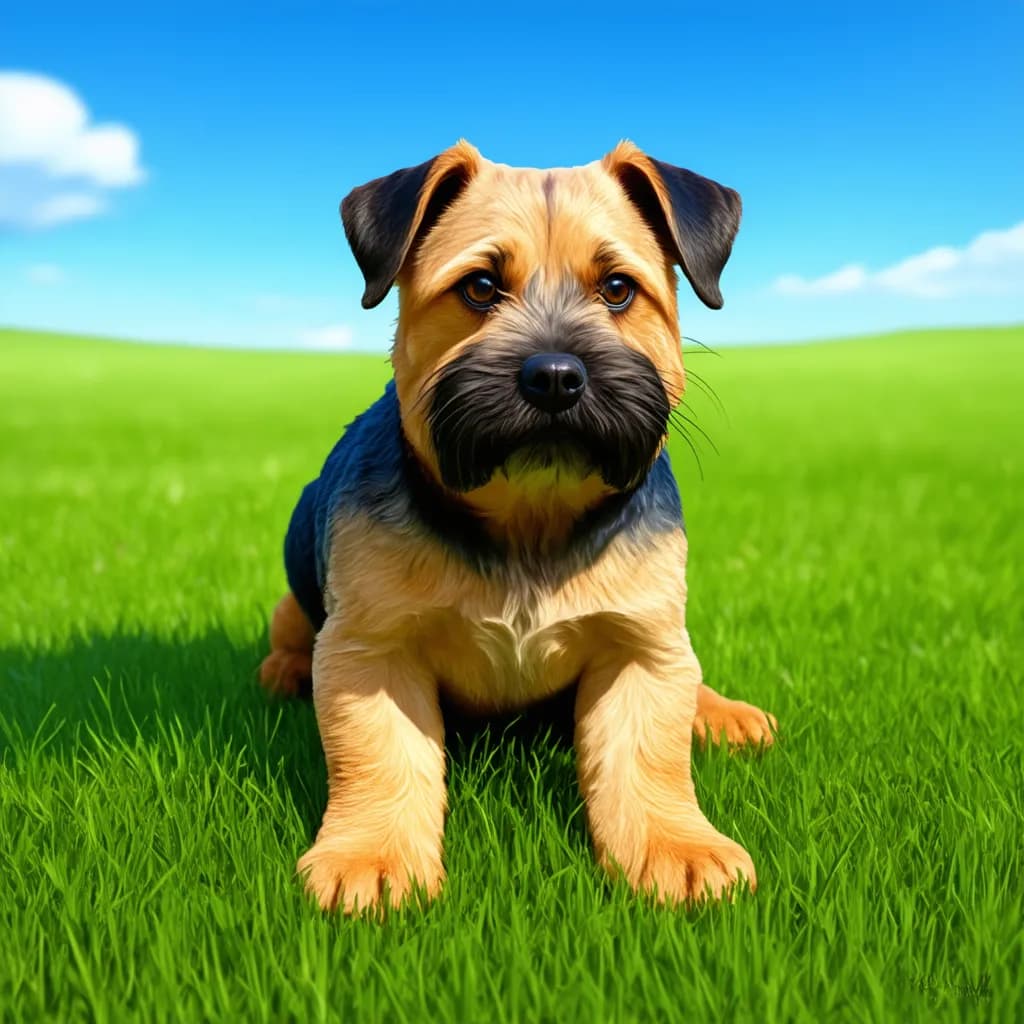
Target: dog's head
x: 538, y: 355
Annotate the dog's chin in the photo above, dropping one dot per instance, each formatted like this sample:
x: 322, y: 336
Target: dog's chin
x: 552, y: 455
x: 550, y: 466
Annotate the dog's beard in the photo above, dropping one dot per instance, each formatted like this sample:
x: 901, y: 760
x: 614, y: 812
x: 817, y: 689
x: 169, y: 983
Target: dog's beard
x: 550, y: 456
x: 481, y: 425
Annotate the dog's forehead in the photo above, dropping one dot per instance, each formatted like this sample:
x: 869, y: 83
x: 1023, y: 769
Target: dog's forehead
x: 554, y: 187
x: 557, y: 217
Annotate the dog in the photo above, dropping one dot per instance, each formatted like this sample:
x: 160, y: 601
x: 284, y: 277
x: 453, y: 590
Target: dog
x: 503, y: 523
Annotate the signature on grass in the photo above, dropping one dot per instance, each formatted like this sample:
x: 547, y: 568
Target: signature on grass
x: 933, y: 987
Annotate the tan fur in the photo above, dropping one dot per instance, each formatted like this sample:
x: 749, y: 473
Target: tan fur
x: 738, y: 722
x: 633, y: 732
x: 383, y: 740
x: 290, y: 661
x: 501, y: 644
x: 536, y: 509
x: 407, y: 622
x: 494, y: 648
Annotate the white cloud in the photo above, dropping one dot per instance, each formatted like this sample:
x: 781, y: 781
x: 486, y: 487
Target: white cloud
x: 63, y: 207
x: 44, y: 274
x: 991, y: 264
x: 847, y: 279
x: 46, y: 138
x: 332, y: 337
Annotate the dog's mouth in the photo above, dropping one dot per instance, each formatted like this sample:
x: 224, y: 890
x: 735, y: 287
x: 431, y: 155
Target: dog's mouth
x: 552, y: 448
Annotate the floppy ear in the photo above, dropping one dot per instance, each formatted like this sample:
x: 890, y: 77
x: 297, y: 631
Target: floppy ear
x: 695, y: 218
x: 384, y: 217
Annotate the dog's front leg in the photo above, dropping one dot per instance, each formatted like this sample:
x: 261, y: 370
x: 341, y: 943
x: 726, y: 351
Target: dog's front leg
x: 634, y: 720
x: 383, y: 739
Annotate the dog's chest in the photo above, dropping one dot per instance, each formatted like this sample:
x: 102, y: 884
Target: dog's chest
x: 502, y: 658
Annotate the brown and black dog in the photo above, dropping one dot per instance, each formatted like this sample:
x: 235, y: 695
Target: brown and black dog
x: 503, y: 523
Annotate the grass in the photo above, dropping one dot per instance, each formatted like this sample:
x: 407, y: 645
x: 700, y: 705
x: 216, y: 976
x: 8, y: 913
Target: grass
x: 855, y: 568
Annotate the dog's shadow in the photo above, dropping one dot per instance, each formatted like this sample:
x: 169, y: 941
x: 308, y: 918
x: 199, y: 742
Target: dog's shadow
x: 134, y: 688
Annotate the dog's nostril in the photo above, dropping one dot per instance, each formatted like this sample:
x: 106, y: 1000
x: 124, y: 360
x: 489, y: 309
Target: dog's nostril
x: 552, y: 381
x: 541, y: 382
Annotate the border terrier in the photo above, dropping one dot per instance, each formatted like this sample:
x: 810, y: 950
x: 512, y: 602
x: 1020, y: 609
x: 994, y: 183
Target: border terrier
x: 503, y: 523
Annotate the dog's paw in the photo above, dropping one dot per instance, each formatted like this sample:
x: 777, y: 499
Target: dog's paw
x: 694, y: 869
x: 286, y: 673
x: 358, y: 882
x: 740, y: 723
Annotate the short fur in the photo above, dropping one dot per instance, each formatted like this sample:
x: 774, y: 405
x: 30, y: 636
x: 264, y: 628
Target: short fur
x: 460, y: 543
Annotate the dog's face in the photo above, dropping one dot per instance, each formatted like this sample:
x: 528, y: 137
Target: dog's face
x: 538, y: 351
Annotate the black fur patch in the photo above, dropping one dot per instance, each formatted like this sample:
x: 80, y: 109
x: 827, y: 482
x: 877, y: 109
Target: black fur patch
x: 378, y: 219
x: 700, y: 227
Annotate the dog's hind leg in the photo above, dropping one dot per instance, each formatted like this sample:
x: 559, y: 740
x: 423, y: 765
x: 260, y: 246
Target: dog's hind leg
x: 287, y: 671
x: 740, y: 723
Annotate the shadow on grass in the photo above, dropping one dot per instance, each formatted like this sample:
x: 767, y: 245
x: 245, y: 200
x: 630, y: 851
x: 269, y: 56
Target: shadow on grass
x: 125, y: 689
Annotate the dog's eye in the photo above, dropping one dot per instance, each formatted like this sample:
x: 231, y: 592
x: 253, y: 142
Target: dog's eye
x: 479, y: 290
x: 617, y: 290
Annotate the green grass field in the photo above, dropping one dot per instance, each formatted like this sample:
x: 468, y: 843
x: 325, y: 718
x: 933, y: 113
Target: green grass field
x: 855, y: 567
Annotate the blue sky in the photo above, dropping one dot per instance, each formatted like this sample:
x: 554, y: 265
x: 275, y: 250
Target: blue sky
x: 872, y: 143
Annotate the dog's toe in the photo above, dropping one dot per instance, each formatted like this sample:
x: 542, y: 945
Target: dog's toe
x: 740, y: 723
x: 286, y: 673
x: 343, y: 879
x: 694, y: 870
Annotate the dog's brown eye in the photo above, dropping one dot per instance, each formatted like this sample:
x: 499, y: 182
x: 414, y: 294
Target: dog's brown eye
x: 480, y: 290
x: 617, y: 291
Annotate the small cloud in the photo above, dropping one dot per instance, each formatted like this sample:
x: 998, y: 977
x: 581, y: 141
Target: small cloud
x: 46, y: 137
x: 991, y: 264
x: 65, y: 206
x: 847, y: 279
x: 44, y: 274
x: 332, y: 337
x: 924, y: 275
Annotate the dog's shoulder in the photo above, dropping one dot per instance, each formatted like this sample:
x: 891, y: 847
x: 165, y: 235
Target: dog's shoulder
x: 365, y: 470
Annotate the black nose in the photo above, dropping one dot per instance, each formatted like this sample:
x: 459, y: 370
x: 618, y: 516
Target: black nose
x: 553, y: 381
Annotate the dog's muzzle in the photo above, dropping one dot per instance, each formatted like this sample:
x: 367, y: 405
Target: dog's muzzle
x: 603, y: 410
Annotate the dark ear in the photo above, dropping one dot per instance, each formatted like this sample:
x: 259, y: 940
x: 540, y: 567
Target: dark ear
x: 385, y: 216
x: 695, y: 218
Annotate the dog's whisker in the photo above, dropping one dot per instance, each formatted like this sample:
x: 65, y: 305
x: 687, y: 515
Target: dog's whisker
x: 690, y: 422
x: 684, y: 434
x: 703, y: 386
x: 701, y: 347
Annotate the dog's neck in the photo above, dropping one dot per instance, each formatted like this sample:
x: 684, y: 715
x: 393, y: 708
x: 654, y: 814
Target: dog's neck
x: 533, y: 514
x: 536, y: 512
x: 553, y: 534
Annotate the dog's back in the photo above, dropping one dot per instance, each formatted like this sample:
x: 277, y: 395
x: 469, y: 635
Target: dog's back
x: 363, y: 474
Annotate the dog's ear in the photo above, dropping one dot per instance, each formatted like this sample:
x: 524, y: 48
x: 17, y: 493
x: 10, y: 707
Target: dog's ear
x: 694, y: 217
x: 384, y: 217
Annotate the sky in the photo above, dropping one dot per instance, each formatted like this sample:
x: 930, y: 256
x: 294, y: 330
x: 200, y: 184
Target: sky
x: 173, y: 172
